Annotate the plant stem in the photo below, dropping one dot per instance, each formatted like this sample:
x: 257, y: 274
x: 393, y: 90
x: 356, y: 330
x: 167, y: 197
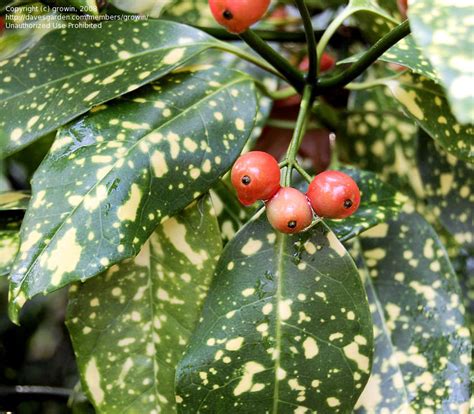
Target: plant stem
x: 285, y: 124
x: 268, y: 35
x: 303, y: 173
x: 312, y: 76
x: 287, y: 92
x: 290, y: 73
x: 237, y: 51
x: 331, y: 29
x: 357, y: 86
x: 367, y: 59
x: 300, y: 129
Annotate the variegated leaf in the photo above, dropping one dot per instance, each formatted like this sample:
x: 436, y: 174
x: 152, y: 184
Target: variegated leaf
x: 449, y: 188
x: 196, y: 12
x: 113, y: 176
x: 231, y: 214
x: 285, y: 328
x: 12, y: 206
x: 9, y: 245
x: 371, y: 19
x: 423, y: 349
x: 444, y: 30
x: 405, y: 53
x: 14, y: 200
x: 464, y: 267
x: 378, y: 137
x: 424, y: 101
x: 64, y: 76
x: 130, y: 325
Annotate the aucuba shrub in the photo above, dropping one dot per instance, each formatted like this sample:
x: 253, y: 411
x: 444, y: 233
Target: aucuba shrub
x: 249, y: 215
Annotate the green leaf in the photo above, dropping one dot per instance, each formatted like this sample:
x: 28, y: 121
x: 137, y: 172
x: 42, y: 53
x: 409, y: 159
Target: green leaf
x: 446, y: 38
x: 63, y: 76
x: 231, y: 214
x: 449, y: 189
x: 9, y: 245
x: 464, y: 267
x: 379, y: 202
x: 378, y: 137
x: 425, y: 103
x: 12, y: 206
x: 405, y: 53
x: 285, y: 327
x: 130, y: 325
x: 14, y: 200
x: 196, y: 12
x: 113, y: 176
x: 422, y: 354
x: 371, y: 19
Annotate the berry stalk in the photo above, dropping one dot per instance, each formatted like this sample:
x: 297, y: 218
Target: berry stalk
x: 300, y: 129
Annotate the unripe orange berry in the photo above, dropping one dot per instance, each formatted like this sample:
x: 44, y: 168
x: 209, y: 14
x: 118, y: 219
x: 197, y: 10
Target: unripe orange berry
x: 289, y: 211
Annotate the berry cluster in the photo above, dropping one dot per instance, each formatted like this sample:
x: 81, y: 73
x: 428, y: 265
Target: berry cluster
x: 331, y: 194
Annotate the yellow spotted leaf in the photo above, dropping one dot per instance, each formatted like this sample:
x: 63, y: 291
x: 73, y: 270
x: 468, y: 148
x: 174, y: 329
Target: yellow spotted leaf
x: 444, y: 30
x: 449, y: 189
x: 111, y: 177
x: 285, y: 326
x: 130, y: 325
x: 12, y: 206
x: 424, y: 102
x: 405, y: 53
x: 69, y: 71
x: 422, y: 344
x: 9, y: 245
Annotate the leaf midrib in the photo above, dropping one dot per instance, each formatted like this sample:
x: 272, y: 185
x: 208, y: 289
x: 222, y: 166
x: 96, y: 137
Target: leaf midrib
x: 171, y: 120
x: 278, y: 295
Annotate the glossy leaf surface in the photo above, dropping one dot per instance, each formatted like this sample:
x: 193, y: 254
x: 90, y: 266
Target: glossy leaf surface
x: 285, y: 327
x: 64, y: 75
x: 130, y: 325
x: 423, y: 350
x: 425, y: 103
x: 405, y: 53
x: 113, y: 176
x: 449, y: 188
x: 446, y: 37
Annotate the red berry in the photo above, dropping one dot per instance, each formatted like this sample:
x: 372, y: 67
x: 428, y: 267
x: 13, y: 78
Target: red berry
x: 238, y: 15
x: 255, y: 176
x: 333, y: 194
x: 326, y: 62
x: 289, y: 211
